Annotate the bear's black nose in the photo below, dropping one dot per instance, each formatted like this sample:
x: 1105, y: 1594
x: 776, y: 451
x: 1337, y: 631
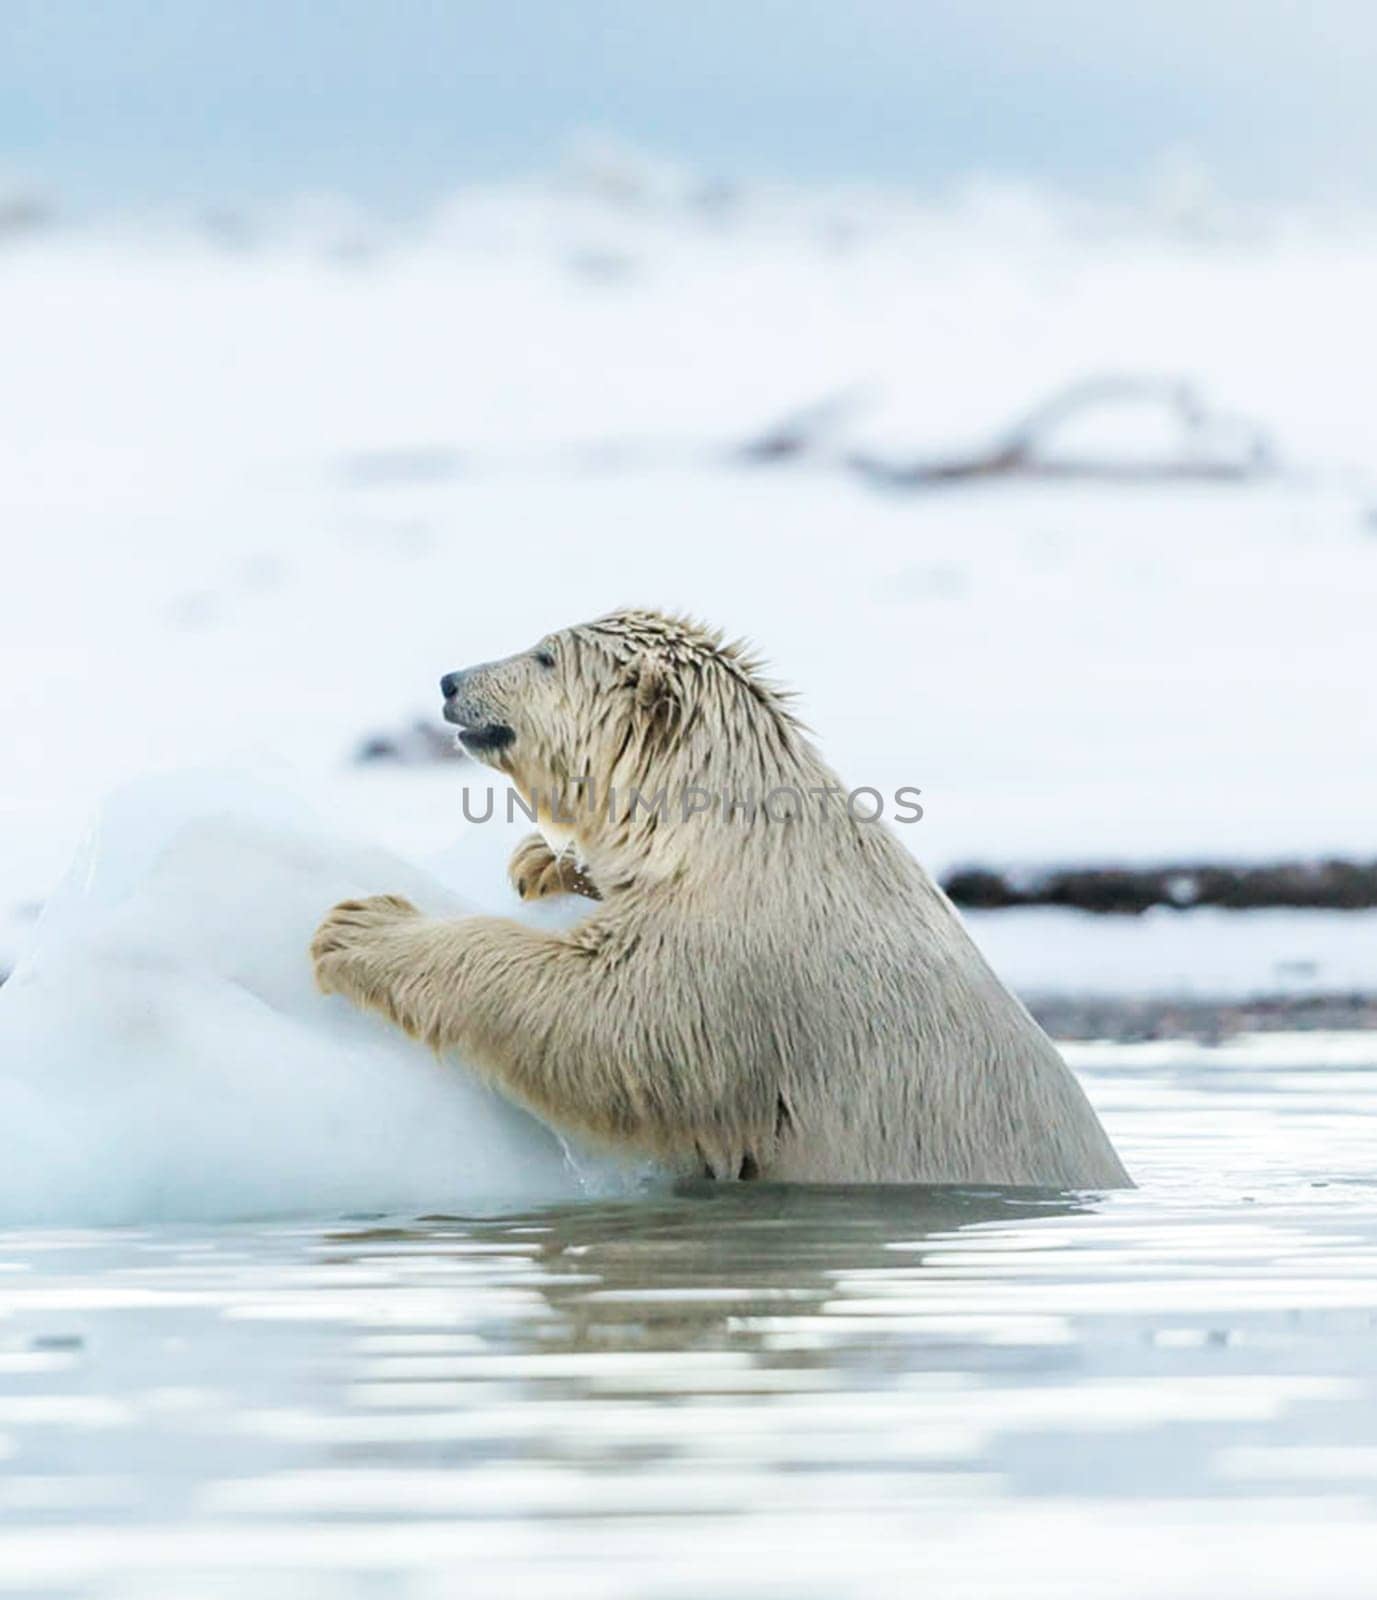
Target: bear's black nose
x: 449, y: 683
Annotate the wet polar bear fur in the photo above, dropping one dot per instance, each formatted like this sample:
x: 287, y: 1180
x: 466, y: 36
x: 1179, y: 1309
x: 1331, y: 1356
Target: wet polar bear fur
x: 783, y: 996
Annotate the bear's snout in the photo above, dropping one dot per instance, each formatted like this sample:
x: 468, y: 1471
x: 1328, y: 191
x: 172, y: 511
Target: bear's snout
x: 481, y: 729
x: 461, y: 704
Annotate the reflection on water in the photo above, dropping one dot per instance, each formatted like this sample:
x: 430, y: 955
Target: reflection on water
x: 741, y: 1390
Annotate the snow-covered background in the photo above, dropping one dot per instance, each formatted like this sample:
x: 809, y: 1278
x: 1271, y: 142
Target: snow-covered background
x: 264, y: 477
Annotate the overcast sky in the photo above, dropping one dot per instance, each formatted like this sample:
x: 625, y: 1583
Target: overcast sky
x: 175, y: 101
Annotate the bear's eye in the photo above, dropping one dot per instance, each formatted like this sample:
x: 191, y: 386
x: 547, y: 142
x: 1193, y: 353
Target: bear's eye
x: 545, y: 658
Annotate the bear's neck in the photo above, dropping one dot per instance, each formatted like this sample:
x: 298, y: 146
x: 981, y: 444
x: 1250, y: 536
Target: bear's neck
x: 732, y: 814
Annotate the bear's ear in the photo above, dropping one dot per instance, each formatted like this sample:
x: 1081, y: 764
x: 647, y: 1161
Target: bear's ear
x: 656, y: 693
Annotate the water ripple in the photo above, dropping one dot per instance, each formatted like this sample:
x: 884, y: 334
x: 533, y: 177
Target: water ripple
x: 732, y: 1389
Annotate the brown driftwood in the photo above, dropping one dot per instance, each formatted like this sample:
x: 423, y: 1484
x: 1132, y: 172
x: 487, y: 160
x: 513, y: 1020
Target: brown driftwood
x: 1022, y: 450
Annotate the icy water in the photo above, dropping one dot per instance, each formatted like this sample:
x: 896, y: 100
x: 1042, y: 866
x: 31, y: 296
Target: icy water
x: 741, y: 1391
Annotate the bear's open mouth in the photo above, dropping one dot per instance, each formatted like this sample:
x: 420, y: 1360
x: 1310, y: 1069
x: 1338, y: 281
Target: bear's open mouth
x: 487, y: 736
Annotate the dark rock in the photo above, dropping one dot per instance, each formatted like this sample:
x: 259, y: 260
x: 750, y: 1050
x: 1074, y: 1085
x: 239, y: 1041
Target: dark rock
x: 422, y: 744
x: 1333, y: 884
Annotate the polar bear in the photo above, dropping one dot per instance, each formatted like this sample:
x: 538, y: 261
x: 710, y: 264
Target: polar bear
x: 768, y: 986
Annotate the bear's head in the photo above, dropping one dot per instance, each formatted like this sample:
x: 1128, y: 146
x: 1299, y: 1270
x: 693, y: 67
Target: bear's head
x: 633, y: 701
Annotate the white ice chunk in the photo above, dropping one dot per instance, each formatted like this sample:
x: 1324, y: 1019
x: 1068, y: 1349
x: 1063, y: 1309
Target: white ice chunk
x: 164, y: 1053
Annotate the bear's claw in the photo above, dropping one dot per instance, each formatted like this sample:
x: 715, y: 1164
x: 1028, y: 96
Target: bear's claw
x: 348, y: 928
x: 537, y: 873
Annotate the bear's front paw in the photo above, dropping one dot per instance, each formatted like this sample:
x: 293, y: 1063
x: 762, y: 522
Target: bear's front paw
x: 533, y: 870
x: 537, y: 873
x: 348, y: 931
